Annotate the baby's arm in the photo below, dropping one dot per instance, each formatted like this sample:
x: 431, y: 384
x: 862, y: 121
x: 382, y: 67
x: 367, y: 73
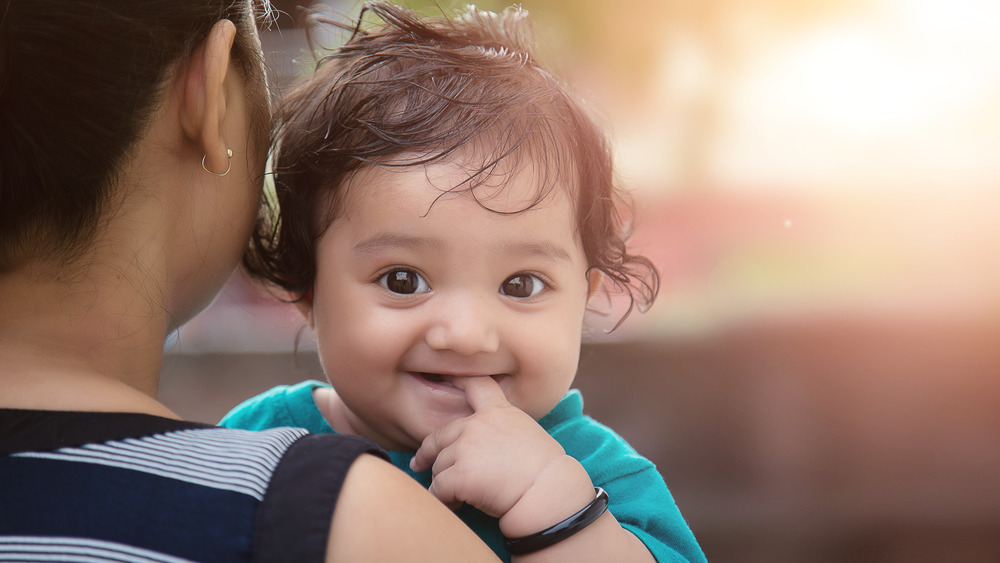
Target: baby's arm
x: 506, y: 465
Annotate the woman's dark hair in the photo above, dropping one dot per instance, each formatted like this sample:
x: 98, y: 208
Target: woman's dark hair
x: 415, y: 91
x: 79, y: 81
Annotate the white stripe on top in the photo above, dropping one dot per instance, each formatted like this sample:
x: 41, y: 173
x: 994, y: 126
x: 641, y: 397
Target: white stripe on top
x: 77, y: 550
x: 222, y: 458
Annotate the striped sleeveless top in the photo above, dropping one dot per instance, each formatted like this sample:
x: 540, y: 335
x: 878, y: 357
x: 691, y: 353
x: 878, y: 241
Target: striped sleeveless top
x: 117, y: 487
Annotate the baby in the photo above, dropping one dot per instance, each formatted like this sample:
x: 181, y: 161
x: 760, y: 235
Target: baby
x: 446, y: 212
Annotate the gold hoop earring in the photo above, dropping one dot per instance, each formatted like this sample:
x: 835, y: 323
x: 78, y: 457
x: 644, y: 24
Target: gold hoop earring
x: 229, y: 165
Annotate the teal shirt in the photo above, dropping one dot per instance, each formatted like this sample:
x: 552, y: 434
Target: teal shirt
x: 639, y: 498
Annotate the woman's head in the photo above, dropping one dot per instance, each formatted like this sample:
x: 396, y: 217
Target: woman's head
x: 79, y: 81
x: 417, y: 91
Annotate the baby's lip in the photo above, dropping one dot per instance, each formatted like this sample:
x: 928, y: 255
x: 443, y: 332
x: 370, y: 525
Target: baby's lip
x: 448, y: 379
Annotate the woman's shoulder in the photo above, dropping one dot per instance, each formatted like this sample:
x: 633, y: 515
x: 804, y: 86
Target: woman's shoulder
x: 136, y: 484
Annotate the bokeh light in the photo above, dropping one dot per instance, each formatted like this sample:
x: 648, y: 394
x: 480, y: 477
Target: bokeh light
x: 819, y: 379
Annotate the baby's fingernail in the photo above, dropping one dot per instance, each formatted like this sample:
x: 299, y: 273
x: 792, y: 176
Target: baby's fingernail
x: 413, y: 463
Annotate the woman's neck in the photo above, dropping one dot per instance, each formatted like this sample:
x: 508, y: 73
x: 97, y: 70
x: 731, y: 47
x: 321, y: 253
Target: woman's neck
x: 92, y: 343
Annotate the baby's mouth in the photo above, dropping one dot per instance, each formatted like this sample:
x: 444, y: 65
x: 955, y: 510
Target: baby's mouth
x: 438, y: 378
x: 448, y: 380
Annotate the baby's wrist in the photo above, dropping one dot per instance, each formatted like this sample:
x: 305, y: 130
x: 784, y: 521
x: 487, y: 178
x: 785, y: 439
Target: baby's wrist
x: 565, y: 529
x: 559, y: 491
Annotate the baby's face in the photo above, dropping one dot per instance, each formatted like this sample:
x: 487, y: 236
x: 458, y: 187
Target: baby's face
x: 413, y: 292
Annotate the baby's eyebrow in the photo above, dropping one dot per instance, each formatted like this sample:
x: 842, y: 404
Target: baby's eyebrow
x: 543, y: 250
x: 382, y: 241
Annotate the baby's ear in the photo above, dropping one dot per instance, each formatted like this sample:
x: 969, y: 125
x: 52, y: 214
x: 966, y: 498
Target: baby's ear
x: 304, y: 303
x: 595, y: 282
x: 598, y: 299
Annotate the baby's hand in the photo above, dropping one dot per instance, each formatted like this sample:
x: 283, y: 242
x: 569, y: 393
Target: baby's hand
x: 489, y: 459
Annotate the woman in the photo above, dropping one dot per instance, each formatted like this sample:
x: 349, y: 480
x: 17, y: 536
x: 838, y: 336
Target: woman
x: 131, y: 156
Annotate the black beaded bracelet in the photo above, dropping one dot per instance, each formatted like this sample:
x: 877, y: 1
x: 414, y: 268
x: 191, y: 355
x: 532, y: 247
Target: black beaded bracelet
x: 557, y: 533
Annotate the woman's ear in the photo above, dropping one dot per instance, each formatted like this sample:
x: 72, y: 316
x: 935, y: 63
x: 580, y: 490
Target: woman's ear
x: 305, y: 306
x: 204, y: 95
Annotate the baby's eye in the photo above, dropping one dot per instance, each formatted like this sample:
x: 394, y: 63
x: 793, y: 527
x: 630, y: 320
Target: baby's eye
x: 404, y: 281
x: 522, y: 285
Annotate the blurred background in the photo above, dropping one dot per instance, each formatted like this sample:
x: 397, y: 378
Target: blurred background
x: 819, y: 379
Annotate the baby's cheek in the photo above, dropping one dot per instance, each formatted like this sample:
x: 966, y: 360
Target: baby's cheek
x: 543, y: 395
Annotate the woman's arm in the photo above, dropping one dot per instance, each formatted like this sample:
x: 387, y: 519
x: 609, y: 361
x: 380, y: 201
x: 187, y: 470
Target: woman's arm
x: 382, y: 514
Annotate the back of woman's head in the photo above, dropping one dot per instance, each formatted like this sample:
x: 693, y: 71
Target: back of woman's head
x: 79, y: 80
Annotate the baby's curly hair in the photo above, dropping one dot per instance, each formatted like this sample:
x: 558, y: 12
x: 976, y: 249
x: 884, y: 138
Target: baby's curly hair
x: 414, y: 91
